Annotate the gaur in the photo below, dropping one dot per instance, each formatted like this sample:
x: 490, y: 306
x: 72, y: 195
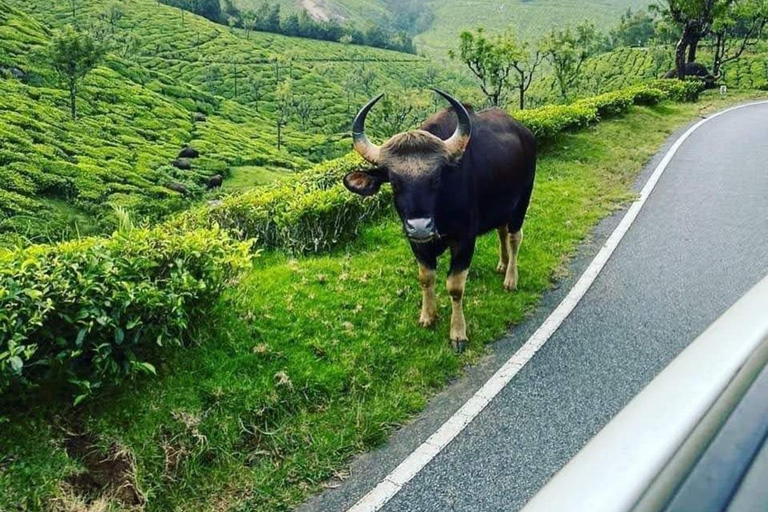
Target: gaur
x: 188, y: 152
x: 177, y: 187
x: 182, y: 163
x: 215, y: 182
x: 455, y: 178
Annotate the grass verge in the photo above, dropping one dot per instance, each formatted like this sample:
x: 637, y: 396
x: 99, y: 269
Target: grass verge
x: 310, y: 361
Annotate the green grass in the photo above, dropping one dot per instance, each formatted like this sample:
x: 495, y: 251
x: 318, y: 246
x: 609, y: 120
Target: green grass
x: 310, y: 361
x: 249, y: 176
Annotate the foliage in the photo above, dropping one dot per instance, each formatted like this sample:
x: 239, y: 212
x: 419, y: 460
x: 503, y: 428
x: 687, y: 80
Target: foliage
x: 738, y: 26
x: 60, y: 178
x: 310, y: 213
x: 634, y: 29
x: 73, y: 55
x: 566, y: 50
x: 493, y: 60
x: 91, y: 308
x: 266, y: 17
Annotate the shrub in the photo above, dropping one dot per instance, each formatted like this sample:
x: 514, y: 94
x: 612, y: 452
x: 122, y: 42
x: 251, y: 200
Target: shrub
x: 90, y: 309
x: 313, y: 213
x: 610, y: 104
x: 546, y: 122
x: 648, y: 95
x: 679, y: 90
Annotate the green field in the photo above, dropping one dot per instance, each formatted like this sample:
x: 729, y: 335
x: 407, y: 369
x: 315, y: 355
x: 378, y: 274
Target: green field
x: 138, y: 106
x: 295, y: 372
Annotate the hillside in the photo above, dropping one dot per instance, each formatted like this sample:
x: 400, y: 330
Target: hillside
x: 138, y: 109
x: 530, y: 18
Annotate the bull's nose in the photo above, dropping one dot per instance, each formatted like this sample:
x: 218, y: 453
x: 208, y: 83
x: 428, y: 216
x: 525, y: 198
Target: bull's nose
x: 420, y: 228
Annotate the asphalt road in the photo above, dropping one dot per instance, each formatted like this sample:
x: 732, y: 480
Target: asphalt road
x: 700, y: 242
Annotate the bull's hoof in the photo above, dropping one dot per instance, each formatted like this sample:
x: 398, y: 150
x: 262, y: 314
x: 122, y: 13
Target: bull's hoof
x: 427, y: 321
x: 459, y: 346
x: 501, y: 268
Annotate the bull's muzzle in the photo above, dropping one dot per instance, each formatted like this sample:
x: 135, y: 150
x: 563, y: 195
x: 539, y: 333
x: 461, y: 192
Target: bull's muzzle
x: 420, y: 230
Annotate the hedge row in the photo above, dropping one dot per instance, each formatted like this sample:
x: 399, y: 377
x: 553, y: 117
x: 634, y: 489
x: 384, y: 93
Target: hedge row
x: 314, y: 212
x: 547, y: 122
x: 90, y: 310
x: 311, y: 213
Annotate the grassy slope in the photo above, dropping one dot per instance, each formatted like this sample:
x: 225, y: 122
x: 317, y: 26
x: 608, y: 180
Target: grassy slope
x: 137, y: 112
x: 312, y: 360
x: 531, y: 19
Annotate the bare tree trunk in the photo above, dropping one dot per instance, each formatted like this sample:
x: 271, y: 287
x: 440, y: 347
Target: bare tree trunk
x: 522, y: 96
x: 680, y: 48
x: 73, y: 100
x: 692, y: 47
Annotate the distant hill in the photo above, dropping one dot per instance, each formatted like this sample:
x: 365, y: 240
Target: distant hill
x: 530, y: 18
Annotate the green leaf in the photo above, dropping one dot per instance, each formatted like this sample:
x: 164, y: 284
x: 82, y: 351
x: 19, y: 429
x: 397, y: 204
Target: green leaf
x: 80, y: 337
x: 16, y: 364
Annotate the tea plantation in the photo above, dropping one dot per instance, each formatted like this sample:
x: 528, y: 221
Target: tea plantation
x: 138, y: 108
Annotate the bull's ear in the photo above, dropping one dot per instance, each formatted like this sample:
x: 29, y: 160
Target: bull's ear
x: 366, y: 183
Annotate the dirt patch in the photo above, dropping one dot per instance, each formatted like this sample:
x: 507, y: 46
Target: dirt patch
x: 317, y: 10
x: 108, y: 475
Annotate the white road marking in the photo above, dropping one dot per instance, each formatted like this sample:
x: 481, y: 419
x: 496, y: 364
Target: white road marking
x: 416, y: 461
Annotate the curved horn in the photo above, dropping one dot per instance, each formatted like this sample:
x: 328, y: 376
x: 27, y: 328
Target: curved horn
x: 460, y: 138
x: 365, y: 147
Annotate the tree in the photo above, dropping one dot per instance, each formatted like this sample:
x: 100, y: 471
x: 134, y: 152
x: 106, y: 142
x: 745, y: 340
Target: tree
x: 566, y: 50
x: 694, y: 20
x: 524, y: 63
x: 739, y: 26
x: 634, y: 29
x: 112, y: 14
x: 284, y: 96
x: 73, y: 55
x: 490, y: 60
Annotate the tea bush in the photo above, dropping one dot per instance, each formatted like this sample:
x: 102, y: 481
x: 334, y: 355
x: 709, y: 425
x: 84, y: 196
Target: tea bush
x: 313, y: 212
x: 91, y: 309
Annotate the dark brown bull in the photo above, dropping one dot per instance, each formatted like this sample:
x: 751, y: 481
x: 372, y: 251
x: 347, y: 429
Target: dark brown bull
x: 182, y: 163
x: 214, y: 182
x: 453, y: 181
x: 188, y: 152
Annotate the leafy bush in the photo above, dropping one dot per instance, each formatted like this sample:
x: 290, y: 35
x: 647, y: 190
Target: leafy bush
x: 312, y: 213
x: 88, y: 309
x: 546, y: 122
x: 648, y: 95
x: 679, y: 90
x: 611, y: 103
